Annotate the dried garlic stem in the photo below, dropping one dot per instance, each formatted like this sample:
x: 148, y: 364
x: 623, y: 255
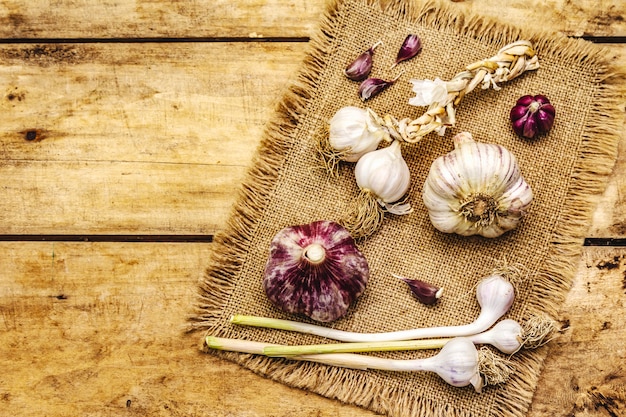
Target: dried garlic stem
x: 510, y: 62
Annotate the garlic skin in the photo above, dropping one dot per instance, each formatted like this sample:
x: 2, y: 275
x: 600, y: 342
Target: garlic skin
x: 506, y: 336
x: 456, y: 363
x: 477, y: 188
x: 315, y: 269
x: 386, y: 175
x: 353, y: 133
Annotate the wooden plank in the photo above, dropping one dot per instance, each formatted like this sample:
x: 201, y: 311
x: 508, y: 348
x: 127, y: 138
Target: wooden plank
x: 28, y: 19
x: 126, y: 138
x: 150, y: 138
x: 584, y: 373
x: 97, y: 329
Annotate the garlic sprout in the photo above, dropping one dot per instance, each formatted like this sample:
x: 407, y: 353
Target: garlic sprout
x: 494, y: 294
x: 510, y: 62
x: 458, y: 363
x: 383, y: 177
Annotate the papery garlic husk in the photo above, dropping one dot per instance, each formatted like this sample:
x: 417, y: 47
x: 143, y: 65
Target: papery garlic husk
x: 353, y: 132
x: 384, y: 178
x: 315, y: 269
x: 477, y: 188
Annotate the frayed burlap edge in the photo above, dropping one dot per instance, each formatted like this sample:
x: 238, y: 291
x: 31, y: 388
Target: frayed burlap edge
x: 597, y: 156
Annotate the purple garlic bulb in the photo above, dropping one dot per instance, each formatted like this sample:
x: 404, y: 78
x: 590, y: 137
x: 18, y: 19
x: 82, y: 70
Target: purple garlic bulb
x: 315, y: 269
x: 532, y: 116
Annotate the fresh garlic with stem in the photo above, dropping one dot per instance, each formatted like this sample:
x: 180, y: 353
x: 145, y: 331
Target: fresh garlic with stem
x: 383, y: 177
x: 352, y: 133
x: 507, y: 336
x: 477, y: 188
x: 458, y: 363
x: 494, y: 294
x: 510, y: 62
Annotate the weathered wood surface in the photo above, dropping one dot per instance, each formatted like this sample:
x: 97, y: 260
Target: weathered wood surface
x: 154, y: 138
x: 263, y: 18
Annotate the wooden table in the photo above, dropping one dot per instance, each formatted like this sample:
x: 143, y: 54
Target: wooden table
x: 126, y: 127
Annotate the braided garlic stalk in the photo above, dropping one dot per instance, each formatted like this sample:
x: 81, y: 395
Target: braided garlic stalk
x: 510, y: 62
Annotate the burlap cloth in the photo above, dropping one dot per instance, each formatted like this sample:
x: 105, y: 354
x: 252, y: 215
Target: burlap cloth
x: 286, y: 186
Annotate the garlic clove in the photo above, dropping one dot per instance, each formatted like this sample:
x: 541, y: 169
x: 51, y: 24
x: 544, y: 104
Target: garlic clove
x: 315, y: 269
x: 425, y: 292
x: 411, y: 46
x: 360, y: 68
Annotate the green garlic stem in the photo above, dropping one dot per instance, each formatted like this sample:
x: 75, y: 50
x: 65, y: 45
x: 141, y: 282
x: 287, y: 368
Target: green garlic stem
x: 345, y: 360
x: 483, y: 322
x: 285, y: 351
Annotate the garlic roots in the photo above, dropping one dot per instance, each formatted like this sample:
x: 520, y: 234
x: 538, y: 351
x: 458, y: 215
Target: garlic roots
x: 477, y: 188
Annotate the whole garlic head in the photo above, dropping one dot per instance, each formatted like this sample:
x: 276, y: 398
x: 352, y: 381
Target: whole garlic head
x: 315, y: 269
x: 477, y: 188
x: 353, y: 132
x: 386, y: 175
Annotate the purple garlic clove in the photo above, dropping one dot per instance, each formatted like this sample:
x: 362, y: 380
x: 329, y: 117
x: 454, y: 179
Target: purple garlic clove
x: 362, y: 65
x: 411, y: 46
x: 532, y: 116
x: 315, y: 269
x: 373, y: 86
x: 425, y: 293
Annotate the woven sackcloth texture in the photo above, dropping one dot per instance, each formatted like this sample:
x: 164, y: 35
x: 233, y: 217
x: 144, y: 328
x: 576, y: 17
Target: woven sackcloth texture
x: 287, y: 185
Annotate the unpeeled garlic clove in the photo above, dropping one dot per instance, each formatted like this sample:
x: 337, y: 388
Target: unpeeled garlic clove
x: 425, y: 292
x: 411, y: 46
x: 374, y: 86
x: 360, y: 68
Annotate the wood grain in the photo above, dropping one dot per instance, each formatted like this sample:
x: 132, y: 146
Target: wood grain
x: 128, y: 19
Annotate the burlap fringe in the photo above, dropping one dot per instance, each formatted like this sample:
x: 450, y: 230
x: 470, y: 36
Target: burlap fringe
x: 597, y: 159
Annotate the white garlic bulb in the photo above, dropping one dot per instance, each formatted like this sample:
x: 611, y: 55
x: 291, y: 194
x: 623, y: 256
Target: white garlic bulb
x: 477, y: 188
x: 385, y: 174
x: 353, y: 133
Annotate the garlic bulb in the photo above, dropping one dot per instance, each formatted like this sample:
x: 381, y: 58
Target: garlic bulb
x: 477, y: 188
x: 353, y: 133
x: 316, y: 270
x: 385, y: 174
x: 384, y: 178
